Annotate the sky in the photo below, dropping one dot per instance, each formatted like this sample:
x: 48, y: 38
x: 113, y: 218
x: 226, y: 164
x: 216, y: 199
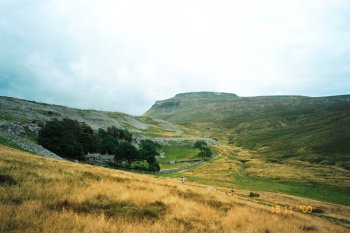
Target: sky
x: 124, y: 55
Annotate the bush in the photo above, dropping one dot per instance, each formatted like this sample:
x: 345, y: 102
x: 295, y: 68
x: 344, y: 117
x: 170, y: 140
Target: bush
x: 138, y: 165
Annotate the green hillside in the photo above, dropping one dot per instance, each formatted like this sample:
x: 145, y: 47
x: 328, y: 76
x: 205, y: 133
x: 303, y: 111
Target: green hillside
x: 313, y: 129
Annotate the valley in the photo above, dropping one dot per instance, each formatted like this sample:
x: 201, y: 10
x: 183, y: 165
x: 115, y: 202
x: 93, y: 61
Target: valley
x: 290, y: 150
x: 269, y: 143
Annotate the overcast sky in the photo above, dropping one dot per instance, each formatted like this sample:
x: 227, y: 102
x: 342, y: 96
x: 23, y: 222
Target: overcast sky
x: 124, y: 55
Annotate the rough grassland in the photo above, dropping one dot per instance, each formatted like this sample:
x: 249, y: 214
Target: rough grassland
x: 45, y: 195
x: 239, y: 168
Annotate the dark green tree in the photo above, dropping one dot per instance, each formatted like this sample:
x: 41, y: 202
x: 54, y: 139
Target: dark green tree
x: 71, y: 139
x: 153, y: 165
x: 101, y: 133
x: 126, y: 151
x: 108, y: 145
x: 205, y: 151
x: 122, y: 134
x: 200, y: 144
x: 88, y: 139
x: 148, y: 152
x: 60, y: 138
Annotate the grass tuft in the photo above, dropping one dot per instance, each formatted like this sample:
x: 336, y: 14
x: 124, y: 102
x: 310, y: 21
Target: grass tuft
x: 91, y: 176
x: 309, y: 228
x: 7, y: 180
x: 102, y: 204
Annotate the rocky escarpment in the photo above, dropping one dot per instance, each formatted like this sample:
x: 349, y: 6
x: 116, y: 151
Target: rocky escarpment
x: 21, y: 121
x: 31, y: 112
x: 15, y: 134
x: 168, y: 109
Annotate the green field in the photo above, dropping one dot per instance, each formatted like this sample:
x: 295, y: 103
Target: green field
x: 178, y: 153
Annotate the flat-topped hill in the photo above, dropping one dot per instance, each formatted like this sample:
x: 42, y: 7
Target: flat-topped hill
x: 315, y: 129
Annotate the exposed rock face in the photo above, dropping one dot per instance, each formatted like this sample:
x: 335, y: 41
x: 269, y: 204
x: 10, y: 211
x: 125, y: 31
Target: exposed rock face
x: 21, y: 121
x: 34, y: 114
x: 12, y: 128
x: 205, y: 94
x: 16, y: 135
x: 33, y: 128
x: 168, y: 125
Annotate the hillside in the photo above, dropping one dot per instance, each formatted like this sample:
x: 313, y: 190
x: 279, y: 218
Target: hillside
x: 31, y: 112
x: 239, y: 161
x: 45, y: 195
x: 21, y: 120
x: 316, y: 130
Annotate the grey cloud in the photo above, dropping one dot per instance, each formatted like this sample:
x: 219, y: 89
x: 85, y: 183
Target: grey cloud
x: 114, y: 56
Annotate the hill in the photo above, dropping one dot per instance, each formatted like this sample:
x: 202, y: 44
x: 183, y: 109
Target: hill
x: 31, y: 112
x: 311, y: 129
x: 239, y: 162
x: 45, y: 195
x: 21, y: 120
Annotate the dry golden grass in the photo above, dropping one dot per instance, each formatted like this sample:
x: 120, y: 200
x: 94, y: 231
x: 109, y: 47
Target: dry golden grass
x: 227, y: 163
x: 45, y: 195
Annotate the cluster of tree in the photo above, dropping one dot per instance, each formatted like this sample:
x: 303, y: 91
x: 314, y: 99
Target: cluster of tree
x: 108, y: 140
x: 205, y: 151
x: 149, y: 151
x: 71, y: 139
x: 67, y: 138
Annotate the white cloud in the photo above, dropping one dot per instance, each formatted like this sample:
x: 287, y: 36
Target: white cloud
x: 123, y: 55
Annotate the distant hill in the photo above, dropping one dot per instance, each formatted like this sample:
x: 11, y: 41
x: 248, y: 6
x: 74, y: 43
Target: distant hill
x: 314, y: 129
x: 188, y: 108
x: 21, y: 120
x: 26, y: 112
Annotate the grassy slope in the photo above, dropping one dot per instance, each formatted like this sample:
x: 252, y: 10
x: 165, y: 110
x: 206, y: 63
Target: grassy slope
x: 272, y: 174
x: 238, y: 169
x: 312, y: 129
x: 45, y: 195
x: 285, y: 144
